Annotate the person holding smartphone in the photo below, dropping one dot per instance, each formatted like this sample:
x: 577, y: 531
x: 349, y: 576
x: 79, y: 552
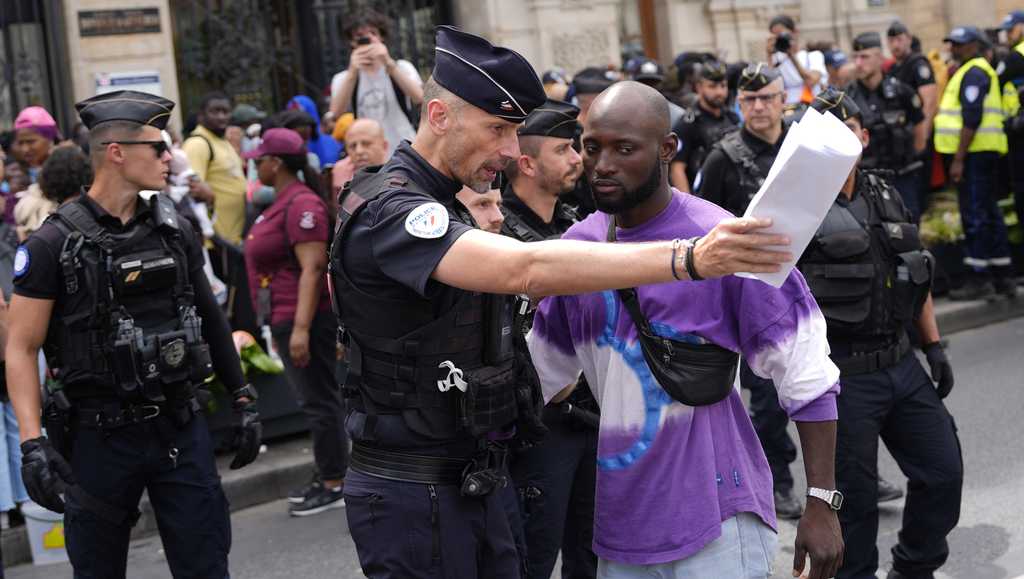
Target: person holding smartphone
x: 375, y: 85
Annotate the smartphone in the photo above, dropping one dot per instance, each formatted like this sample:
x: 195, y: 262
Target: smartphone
x: 363, y: 40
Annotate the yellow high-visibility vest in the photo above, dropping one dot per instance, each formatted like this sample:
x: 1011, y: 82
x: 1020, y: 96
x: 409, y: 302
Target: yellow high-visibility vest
x: 949, y: 120
x: 1011, y: 99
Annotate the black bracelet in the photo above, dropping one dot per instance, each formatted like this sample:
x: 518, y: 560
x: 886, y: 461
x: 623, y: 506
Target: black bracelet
x: 675, y: 251
x: 691, y: 268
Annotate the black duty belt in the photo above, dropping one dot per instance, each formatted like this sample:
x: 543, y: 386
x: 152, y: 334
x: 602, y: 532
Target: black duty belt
x: 406, y: 467
x: 866, y: 362
x: 107, y: 418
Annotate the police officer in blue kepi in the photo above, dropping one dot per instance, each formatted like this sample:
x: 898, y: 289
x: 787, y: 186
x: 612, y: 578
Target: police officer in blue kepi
x: 438, y: 379
x: 112, y: 288
x: 886, y: 392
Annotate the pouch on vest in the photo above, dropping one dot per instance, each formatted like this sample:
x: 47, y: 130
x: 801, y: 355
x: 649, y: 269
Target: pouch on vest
x: 843, y: 290
x: 489, y: 399
x: 694, y: 374
x: 902, y: 237
x: 499, y: 315
x: 141, y: 273
x: 912, y: 284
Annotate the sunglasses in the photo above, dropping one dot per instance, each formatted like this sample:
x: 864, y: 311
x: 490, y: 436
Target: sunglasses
x: 764, y: 98
x: 159, y: 146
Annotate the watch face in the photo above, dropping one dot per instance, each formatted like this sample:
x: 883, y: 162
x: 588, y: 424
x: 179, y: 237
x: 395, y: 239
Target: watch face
x: 837, y: 500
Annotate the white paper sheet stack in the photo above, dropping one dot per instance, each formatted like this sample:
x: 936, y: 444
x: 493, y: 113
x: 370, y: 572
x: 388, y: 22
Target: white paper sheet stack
x: 814, y: 161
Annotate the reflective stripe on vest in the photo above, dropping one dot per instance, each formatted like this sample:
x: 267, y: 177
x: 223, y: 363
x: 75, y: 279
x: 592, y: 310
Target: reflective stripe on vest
x: 949, y: 120
x: 1011, y: 98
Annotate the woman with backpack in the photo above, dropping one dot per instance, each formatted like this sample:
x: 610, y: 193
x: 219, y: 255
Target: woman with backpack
x: 286, y: 257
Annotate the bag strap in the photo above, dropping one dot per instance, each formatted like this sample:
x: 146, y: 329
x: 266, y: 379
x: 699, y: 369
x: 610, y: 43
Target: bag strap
x: 628, y: 295
x: 209, y: 145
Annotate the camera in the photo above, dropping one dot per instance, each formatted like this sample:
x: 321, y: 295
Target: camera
x: 363, y: 40
x: 783, y: 42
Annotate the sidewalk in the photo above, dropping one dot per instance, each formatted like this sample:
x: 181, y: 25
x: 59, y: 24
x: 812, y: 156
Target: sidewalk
x: 287, y: 463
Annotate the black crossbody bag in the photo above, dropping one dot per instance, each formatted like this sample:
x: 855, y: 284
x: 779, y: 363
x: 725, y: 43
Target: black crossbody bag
x: 694, y: 374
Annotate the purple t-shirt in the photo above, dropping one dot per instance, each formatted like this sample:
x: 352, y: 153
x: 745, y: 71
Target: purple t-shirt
x: 669, y: 474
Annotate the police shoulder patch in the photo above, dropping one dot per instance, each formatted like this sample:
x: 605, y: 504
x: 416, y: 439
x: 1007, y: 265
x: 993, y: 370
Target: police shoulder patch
x: 308, y: 220
x: 924, y: 71
x: 428, y: 221
x: 22, y: 261
x: 971, y: 93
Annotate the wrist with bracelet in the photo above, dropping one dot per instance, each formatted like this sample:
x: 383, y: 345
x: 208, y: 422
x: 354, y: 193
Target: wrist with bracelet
x: 683, y: 260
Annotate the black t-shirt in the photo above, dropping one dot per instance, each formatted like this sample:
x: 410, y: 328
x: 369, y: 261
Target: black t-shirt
x: 904, y: 103
x: 719, y: 181
x: 559, y: 221
x: 698, y: 132
x: 915, y: 71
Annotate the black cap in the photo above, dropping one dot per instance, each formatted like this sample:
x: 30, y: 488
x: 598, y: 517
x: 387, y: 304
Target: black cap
x: 125, y: 105
x: 866, y: 40
x: 835, y: 101
x: 552, y: 119
x: 896, y: 28
x: 494, y: 79
x: 649, y: 70
x: 713, y: 70
x: 591, y: 80
x: 756, y: 76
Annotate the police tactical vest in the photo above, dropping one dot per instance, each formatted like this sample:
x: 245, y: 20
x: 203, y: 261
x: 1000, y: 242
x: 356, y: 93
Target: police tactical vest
x: 949, y: 120
x: 710, y: 133
x: 404, y: 360
x: 892, y: 136
x: 127, y: 322
x: 517, y: 228
x: 743, y: 158
x: 866, y: 266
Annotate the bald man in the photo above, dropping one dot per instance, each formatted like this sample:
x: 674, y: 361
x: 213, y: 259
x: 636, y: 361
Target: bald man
x: 683, y: 488
x: 365, y: 145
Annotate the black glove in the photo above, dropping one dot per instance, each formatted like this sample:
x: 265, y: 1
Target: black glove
x: 250, y: 431
x: 942, y: 371
x: 45, y: 472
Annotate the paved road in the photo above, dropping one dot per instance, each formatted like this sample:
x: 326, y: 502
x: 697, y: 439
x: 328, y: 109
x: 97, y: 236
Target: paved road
x: 988, y: 544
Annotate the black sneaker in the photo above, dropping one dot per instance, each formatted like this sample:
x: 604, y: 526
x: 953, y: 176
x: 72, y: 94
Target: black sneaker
x: 787, y: 506
x: 318, y: 501
x: 973, y: 290
x: 888, y: 491
x: 300, y: 495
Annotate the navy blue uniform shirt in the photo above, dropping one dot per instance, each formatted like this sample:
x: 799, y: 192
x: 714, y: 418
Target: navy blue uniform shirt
x: 973, y: 90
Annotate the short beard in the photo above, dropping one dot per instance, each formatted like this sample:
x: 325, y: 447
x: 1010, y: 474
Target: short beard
x: 632, y: 199
x: 455, y: 152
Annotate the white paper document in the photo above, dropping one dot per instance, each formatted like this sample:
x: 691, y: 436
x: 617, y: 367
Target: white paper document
x: 814, y: 161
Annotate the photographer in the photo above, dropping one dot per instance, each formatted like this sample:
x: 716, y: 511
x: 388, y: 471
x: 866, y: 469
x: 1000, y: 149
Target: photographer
x: 803, y: 73
x: 375, y: 85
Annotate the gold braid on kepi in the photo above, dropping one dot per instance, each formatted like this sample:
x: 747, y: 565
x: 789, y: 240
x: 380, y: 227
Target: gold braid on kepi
x: 835, y: 101
x: 756, y: 76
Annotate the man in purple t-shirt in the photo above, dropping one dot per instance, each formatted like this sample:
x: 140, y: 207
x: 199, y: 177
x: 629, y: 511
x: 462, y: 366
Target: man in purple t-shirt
x: 686, y: 491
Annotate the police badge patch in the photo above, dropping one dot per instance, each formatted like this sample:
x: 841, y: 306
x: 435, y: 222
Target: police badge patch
x: 428, y: 221
x: 924, y: 71
x: 22, y: 260
x: 308, y: 220
x: 173, y: 353
x: 971, y: 93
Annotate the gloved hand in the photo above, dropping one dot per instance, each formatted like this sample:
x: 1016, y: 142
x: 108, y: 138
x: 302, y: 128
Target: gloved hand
x: 250, y: 432
x: 942, y: 370
x: 45, y: 472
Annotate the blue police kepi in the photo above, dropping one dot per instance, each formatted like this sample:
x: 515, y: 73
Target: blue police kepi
x: 112, y: 287
x: 433, y: 382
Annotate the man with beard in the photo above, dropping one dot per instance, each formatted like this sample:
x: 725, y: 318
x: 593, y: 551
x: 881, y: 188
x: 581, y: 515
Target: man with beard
x: 703, y: 127
x: 484, y: 207
x: 554, y: 478
x: 436, y: 386
x: 683, y: 490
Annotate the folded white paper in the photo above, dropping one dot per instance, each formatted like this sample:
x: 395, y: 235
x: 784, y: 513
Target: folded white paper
x: 814, y: 161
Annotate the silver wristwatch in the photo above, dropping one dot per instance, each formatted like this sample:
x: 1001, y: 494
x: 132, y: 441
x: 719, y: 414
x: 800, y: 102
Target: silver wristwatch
x: 834, y: 499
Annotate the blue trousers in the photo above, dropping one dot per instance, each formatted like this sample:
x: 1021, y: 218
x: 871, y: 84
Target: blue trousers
x: 555, y: 481
x: 1017, y: 176
x: 986, y: 244
x: 190, y: 507
x: 770, y: 422
x: 416, y: 531
x: 899, y: 404
x: 910, y: 185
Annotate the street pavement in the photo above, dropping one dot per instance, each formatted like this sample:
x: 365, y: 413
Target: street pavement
x: 988, y: 544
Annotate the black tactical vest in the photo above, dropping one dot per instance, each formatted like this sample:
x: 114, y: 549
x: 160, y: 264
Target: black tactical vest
x: 866, y: 266
x: 711, y: 132
x: 126, y: 321
x: 892, y: 135
x: 743, y: 158
x: 406, y: 361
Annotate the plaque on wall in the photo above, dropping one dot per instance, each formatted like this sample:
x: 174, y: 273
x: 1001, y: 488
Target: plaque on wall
x: 113, y: 22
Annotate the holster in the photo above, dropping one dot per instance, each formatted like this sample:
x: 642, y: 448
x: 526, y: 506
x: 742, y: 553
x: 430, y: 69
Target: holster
x: 57, y: 423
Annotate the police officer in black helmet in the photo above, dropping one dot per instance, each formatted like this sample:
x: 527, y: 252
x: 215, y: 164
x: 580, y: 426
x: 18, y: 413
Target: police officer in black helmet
x: 871, y: 277
x: 554, y: 478
x: 894, y: 116
x: 112, y: 287
x: 435, y: 385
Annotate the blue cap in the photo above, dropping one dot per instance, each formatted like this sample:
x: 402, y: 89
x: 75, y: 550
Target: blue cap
x: 835, y: 58
x: 964, y: 34
x: 1012, y: 19
x: 494, y: 79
